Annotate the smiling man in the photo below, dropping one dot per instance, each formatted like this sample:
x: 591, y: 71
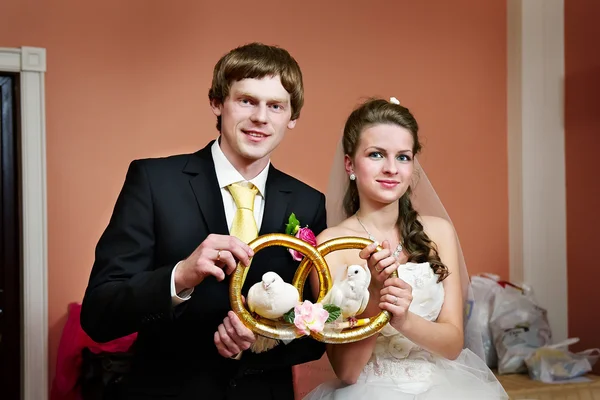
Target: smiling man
x: 179, y: 227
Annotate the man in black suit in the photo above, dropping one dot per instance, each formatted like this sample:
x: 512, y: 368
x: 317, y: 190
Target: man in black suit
x: 163, y: 263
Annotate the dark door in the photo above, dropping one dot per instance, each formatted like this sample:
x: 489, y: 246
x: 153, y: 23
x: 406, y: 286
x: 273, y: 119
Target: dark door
x: 10, y: 243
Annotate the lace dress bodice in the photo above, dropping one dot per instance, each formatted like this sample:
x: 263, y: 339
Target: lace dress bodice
x: 396, y: 356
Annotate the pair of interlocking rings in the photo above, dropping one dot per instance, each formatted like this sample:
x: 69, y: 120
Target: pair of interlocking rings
x: 314, y: 257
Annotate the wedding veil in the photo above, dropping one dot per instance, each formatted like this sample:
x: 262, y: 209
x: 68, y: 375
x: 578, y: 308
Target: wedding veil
x: 426, y: 202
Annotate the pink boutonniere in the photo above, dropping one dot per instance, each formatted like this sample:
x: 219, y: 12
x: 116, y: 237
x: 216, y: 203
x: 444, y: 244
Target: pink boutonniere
x: 293, y: 228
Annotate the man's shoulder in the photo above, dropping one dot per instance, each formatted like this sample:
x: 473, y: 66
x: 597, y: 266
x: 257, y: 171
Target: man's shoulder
x: 168, y: 169
x: 157, y: 166
x: 171, y: 161
x: 299, y: 186
x: 186, y: 161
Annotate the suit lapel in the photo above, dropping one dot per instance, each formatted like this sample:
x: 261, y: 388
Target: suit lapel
x: 277, y: 200
x: 206, y: 189
x: 208, y: 195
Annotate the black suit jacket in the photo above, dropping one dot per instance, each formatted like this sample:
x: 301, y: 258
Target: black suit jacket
x: 166, y: 208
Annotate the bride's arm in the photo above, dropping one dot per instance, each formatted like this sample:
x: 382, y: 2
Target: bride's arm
x: 445, y: 336
x: 347, y: 360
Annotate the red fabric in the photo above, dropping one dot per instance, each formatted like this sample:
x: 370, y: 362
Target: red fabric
x: 68, y: 363
x: 506, y: 283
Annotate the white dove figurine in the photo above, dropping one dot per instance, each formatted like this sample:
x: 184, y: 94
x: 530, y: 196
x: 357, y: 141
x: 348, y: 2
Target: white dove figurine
x: 350, y: 290
x: 272, y: 297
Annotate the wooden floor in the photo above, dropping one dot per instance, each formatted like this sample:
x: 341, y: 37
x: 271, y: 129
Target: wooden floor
x: 520, y: 387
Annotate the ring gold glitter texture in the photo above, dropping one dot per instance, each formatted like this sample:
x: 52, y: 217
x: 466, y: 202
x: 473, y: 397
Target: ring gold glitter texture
x: 314, y: 257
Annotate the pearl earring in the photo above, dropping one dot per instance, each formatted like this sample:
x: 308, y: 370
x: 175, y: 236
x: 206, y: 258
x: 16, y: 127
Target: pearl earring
x: 352, y: 177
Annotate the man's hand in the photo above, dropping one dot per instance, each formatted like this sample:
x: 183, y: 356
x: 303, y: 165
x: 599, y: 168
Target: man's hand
x: 232, y: 336
x: 217, y: 255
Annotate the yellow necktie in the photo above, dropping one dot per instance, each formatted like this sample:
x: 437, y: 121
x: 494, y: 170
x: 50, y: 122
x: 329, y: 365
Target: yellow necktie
x: 244, y: 225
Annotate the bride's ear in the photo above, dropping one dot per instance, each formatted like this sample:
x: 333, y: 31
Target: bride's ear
x: 348, y: 164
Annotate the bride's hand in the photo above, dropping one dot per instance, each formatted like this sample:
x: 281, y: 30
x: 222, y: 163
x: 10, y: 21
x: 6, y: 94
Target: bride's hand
x: 381, y: 263
x: 396, y: 297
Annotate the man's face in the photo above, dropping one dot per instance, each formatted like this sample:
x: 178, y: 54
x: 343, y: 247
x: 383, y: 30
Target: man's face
x: 254, y: 120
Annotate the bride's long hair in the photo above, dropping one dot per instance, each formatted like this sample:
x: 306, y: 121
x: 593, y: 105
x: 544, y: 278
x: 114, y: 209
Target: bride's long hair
x: 419, y: 246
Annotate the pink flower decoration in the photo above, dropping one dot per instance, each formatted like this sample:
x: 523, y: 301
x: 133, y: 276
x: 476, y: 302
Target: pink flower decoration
x: 308, y: 236
x: 310, y: 317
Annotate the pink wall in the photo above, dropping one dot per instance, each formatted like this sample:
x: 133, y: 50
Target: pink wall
x: 129, y: 79
x: 582, y: 146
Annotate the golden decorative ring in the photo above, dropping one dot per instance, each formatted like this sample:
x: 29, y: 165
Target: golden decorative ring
x: 314, y: 257
x: 218, y: 255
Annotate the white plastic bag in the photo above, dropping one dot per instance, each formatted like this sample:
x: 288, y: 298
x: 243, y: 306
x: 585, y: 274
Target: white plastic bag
x: 519, y: 327
x: 485, y: 287
x: 556, y: 363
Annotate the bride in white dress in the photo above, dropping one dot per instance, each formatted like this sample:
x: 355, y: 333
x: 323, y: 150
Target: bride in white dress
x: 427, y: 349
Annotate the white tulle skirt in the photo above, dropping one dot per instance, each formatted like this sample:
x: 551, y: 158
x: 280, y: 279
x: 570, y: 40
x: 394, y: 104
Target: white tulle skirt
x: 466, y: 378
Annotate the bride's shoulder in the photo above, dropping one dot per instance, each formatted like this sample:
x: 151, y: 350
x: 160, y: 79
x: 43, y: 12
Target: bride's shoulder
x: 345, y: 228
x: 438, y: 229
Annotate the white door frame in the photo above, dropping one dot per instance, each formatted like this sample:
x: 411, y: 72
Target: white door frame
x: 30, y: 64
x: 536, y: 154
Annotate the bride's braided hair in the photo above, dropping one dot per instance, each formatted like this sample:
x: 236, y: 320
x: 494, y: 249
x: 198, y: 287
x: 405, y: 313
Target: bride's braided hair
x: 419, y: 246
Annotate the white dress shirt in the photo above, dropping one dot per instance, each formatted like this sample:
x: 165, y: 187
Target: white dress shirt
x: 226, y: 175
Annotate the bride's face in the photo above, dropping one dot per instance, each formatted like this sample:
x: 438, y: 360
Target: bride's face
x: 383, y: 163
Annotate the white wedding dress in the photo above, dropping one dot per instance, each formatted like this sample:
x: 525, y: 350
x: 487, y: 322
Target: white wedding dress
x: 400, y: 370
